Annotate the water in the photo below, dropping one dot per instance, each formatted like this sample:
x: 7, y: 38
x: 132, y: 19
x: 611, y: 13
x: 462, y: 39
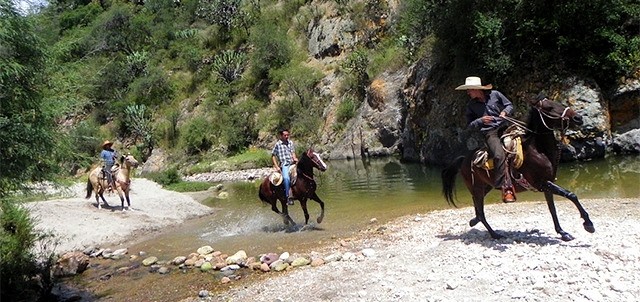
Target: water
x: 355, y: 193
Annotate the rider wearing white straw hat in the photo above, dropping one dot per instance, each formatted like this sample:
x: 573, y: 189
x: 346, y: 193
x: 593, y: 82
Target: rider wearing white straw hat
x: 486, y: 111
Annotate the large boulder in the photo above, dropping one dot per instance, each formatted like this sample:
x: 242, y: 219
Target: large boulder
x: 70, y: 264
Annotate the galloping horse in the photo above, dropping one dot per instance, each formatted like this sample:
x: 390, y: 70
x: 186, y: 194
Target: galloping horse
x: 304, y: 188
x: 541, y: 158
x: 97, y: 181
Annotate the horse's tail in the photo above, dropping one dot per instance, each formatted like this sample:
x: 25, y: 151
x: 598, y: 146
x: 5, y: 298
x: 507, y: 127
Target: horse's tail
x: 449, y: 180
x: 89, y: 188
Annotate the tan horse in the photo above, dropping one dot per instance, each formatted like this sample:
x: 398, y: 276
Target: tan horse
x: 97, y: 181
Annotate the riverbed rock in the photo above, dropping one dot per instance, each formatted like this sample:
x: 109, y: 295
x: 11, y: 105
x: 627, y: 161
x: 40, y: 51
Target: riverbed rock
x: 71, y: 263
x: 205, y: 250
x: 238, y: 258
x: 150, y: 261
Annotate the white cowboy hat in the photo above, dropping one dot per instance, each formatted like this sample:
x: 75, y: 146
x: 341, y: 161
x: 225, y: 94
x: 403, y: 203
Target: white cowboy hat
x: 275, y: 178
x: 473, y: 83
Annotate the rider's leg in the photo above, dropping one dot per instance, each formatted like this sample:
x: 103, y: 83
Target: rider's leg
x: 500, y: 175
x: 287, y: 184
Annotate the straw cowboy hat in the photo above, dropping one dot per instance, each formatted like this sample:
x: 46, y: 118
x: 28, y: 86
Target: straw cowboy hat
x: 275, y: 178
x: 107, y: 143
x: 473, y: 83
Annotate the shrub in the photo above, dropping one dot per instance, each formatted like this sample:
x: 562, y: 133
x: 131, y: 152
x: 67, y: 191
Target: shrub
x: 25, y: 272
x: 346, y: 109
x: 196, y: 136
x: 229, y: 65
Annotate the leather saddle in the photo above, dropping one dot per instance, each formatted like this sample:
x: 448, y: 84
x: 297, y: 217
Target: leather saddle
x: 512, y: 144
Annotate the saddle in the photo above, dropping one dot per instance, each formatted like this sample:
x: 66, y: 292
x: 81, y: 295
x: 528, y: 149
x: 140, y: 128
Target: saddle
x: 114, y: 170
x: 512, y: 144
x: 276, y: 178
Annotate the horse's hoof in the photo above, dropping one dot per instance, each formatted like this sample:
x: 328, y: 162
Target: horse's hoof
x: 474, y: 221
x: 319, y: 220
x: 566, y: 236
x: 589, y: 227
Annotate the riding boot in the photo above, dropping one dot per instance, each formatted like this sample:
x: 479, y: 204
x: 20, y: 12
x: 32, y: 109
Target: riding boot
x: 508, y: 195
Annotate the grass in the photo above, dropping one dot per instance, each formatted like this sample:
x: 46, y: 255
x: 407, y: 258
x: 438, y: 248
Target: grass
x: 250, y: 159
x: 189, y: 186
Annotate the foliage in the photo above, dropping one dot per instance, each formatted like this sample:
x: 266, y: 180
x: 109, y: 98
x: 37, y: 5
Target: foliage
x: 80, y: 16
x: 151, y: 89
x: 195, y: 136
x: 346, y: 109
x: 27, y: 130
x: 229, y: 65
x: 497, y: 37
x: 240, y: 125
x: 189, y: 186
x: 118, y: 30
x: 272, y: 48
x: 166, y: 177
x: 25, y: 272
x: 356, y: 66
x: 138, y: 121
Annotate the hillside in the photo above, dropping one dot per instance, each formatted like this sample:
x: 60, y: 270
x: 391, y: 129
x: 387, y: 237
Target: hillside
x: 203, y: 80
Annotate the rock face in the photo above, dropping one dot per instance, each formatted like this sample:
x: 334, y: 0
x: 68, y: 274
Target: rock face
x: 407, y: 113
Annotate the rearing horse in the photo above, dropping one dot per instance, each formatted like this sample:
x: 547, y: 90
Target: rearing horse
x: 98, y: 182
x: 541, y: 158
x: 304, y: 188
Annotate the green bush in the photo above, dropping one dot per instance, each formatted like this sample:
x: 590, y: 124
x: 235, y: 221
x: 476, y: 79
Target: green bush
x: 25, y: 272
x: 166, y: 177
x: 240, y: 125
x: 346, y: 109
x: 152, y: 90
x: 272, y: 48
x: 81, y: 16
x: 195, y: 136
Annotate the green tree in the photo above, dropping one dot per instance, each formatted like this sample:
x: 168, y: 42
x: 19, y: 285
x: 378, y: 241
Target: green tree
x: 27, y: 130
x: 28, y: 150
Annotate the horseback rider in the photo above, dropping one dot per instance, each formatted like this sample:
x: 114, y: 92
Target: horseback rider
x: 486, y: 111
x: 108, y: 156
x: 283, y: 156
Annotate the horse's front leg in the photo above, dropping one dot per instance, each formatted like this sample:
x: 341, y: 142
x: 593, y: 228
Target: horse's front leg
x: 552, y: 188
x: 319, y: 201
x: 303, y: 204
x: 122, y: 195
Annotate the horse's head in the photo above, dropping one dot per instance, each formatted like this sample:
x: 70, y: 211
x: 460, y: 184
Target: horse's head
x: 129, y: 161
x: 555, y: 115
x: 316, y: 161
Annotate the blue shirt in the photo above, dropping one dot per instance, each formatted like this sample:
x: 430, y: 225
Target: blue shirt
x: 283, y: 151
x: 108, y: 156
x: 496, y: 103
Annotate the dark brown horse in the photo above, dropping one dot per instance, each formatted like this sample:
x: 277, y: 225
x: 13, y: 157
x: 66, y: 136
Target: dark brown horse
x: 541, y: 157
x: 303, y: 189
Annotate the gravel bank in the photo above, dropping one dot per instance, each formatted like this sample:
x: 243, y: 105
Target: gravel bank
x: 425, y: 257
x: 438, y: 257
x: 78, y: 223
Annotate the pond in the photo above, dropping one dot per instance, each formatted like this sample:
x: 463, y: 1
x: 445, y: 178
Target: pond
x: 357, y: 192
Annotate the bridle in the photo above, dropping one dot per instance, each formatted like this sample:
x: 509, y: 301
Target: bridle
x: 564, y: 120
